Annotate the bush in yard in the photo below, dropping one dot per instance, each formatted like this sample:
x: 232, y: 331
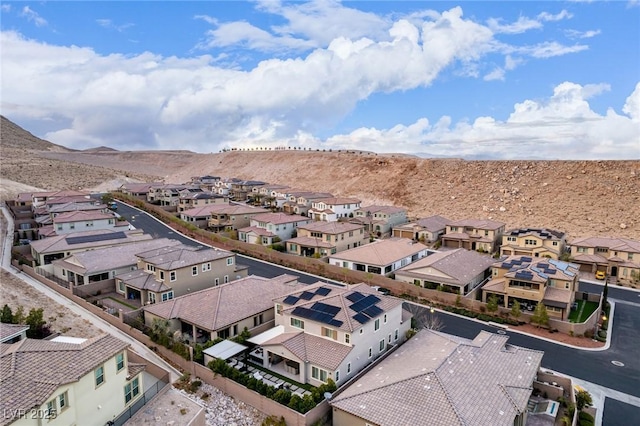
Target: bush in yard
x: 585, y: 419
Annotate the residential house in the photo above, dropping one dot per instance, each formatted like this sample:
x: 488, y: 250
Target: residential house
x: 102, y: 264
x: 325, y: 238
x: 42, y: 198
x: 11, y: 333
x: 426, y: 230
x: 232, y: 216
x: 534, y: 242
x: 169, y: 272
x: 299, y: 202
x: 267, y: 195
x: 332, y: 209
x: 473, y: 234
x: 68, y: 381
x: 240, y: 190
x: 270, y: 228
x: 379, y: 220
x: 223, y: 186
x: 224, y: 311
x: 77, y: 221
x: 138, y: 190
x: 457, y: 271
x: 49, y: 249
x: 381, y: 257
x: 444, y: 379
x: 191, y: 200
x: 327, y: 332
x: 167, y: 194
x: 533, y: 280
x: 619, y: 258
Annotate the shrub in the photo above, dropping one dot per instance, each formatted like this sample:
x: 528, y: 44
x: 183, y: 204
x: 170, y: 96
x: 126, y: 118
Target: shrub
x: 585, y: 419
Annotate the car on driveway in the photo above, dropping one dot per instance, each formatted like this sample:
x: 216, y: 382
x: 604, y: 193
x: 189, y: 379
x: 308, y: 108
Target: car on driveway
x: 600, y: 275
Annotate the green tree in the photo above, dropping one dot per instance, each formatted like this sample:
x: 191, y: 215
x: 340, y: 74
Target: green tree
x: 583, y: 400
x: 18, y: 317
x: 515, y: 310
x: 7, y: 315
x: 106, y: 198
x: 540, y: 315
x: 35, y: 321
x: 492, y: 303
x: 605, y: 294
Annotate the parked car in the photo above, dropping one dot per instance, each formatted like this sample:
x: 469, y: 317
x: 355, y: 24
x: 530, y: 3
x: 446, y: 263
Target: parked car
x: 600, y: 275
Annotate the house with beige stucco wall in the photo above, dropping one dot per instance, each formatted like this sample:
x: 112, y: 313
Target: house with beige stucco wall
x: 191, y: 200
x: 619, y: 258
x: 333, y: 209
x: 300, y: 201
x: 426, y: 230
x: 536, y: 242
x: 326, y: 238
x: 379, y: 220
x: 271, y: 228
x: 473, y: 234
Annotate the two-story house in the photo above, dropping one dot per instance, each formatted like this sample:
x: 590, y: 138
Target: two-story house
x: 457, y: 271
x: 173, y: 271
x: 232, y: 216
x: 77, y: 221
x: 190, y: 200
x: 473, y: 234
x: 381, y: 257
x: 68, y: 381
x: 325, y: 238
x: 440, y: 380
x: 240, y: 190
x: 533, y: 280
x: 379, y: 220
x: 299, y: 202
x: 226, y: 310
x: 270, y: 228
x: 427, y: 230
x: 332, y: 209
x: 166, y: 194
x: 327, y: 332
x: 619, y: 258
x: 534, y: 242
x: 138, y: 190
x: 223, y: 186
x: 267, y: 195
x: 44, y: 197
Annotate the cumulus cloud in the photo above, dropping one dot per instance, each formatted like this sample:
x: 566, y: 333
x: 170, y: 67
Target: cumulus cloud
x: 562, y: 127
x: 33, y: 16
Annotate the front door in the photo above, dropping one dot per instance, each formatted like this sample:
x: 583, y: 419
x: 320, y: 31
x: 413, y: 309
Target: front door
x: 614, y: 271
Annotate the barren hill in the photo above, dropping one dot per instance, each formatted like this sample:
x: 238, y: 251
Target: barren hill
x: 582, y: 198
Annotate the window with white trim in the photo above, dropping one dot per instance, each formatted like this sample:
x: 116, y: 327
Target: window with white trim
x: 295, y: 322
x: 381, y: 345
x: 347, y: 338
x: 376, y: 325
x: 230, y: 261
x: 194, y: 270
x: 120, y: 361
x: 131, y: 390
x: 370, y: 352
x: 319, y: 374
x: 337, y: 375
x: 395, y: 336
x: 348, y: 368
x: 99, y: 375
x: 206, y: 267
x: 226, y: 279
x: 167, y: 296
x: 217, y: 281
x: 172, y: 276
x: 63, y: 400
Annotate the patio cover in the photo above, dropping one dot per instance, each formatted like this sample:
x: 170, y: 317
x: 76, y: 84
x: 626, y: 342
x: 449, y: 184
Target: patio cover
x: 225, y: 349
x: 267, y: 335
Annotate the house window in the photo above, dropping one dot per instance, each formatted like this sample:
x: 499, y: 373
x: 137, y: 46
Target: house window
x: 278, y: 309
x: 120, y: 361
x: 152, y: 298
x: 370, y: 352
x: 347, y: 338
x: 172, y: 276
x: 167, y: 296
x: 59, y: 227
x: 217, y: 281
x: 161, y: 276
x: 319, y: 374
x: 99, y: 374
x: 395, y: 336
x: 337, y: 375
x: 51, y: 409
x: 511, y: 239
x: 348, y: 368
x: 389, y: 339
x: 376, y: 326
x: 385, y: 318
x: 582, y: 249
x: 381, y: 345
x: 90, y: 223
x: 206, y: 267
x: 62, y: 400
x: 555, y: 243
x: 486, y: 233
x: 194, y: 270
x: 226, y: 279
x: 121, y: 285
x: 72, y: 226
x: 257, y: 320
x: 152, y: 268
x: 131, y: 390
x: 235, y: 329
x: 230, y: 261
x: 295, y: 322
x: 629, y: 256
x: 327, y: 332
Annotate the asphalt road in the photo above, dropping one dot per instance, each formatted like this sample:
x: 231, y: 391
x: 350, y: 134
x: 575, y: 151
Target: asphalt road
x: 590, y: 366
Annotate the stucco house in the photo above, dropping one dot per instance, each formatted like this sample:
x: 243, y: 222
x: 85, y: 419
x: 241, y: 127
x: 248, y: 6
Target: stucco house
x: 224, y: 311
x: 533, y: 280
x: 82, y: 220
x: 325, y: 238
x: 269, y: 228
x: 536, y: 242
x: 473, y: 234
x: 381, y: 257
x: 138, y: 190
x: 191, y: 200
x: 444, y: 380
x: 11, y: 333
x: 232, y: 216
x: 457, y: 271
x: 334, y: 208
x: 299, y: 202
x: 379, y: 220
x: 426, y: 230
x: 173, y: 271
x: 326, y: 331
x: 619, y: 258
x: 68, y: 381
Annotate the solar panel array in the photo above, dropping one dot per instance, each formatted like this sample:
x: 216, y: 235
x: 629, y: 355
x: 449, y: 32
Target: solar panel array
x: 94, y: 238
x: 317, y: 315
x: 306, y: 295
x: 364, y: 306
x: 524, y: 275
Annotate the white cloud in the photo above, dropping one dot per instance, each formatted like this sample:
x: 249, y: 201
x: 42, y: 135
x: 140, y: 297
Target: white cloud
x: 251, y: 37
x: 109, y: 24
x: 548, y: 49
x: 563, y: 14
x: 496, y: 74
x: 206, y: 18
x: 522, y: 25
x: 562, y: 127
x: 582, y: 34
x: 5, y: 7
x: 32, y: 16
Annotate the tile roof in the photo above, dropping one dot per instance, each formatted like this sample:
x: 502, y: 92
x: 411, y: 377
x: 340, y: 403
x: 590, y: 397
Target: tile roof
x: 616, y: 244
x: 110, y: 258
x: 382, y: 252
x: 310, y: 242
x: 81, y: 215
x: 142, y: 280
x: 139, y: 187
x: 544, y: 233
x: 314, y: 349
x: 25, y: 384
x: 8, y: 331
x: 337, y: 200
x: 229, y: 209
x: 433, y: 223
x: 258, y: 231
x: 478, y: 223
x: 466, y: 237
x: 330, y: 227
x: 482, y: 382
x: 73, y: 206
x: 381, y: 209
x: 539, y: 268
x: 181, y: 256
x: 60, y: 243
x: 459, y: 266
x: 221, y: 306
x: 280, y: 218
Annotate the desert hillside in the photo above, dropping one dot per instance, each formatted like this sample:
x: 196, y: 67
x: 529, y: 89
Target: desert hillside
x: 582, y: 198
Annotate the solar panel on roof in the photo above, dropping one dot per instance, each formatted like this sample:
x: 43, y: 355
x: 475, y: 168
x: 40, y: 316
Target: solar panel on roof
x: 335, y: 323
x: 364, y: 303
x: 526, y: 259
x: 361, y: 318
x: 372, y: 311
x: 525, y: 275
x: 290, y: 300
x: 323, y: 307
x: 306, y: 295
x: 323, y: 291
x: 355, y: 297
x: 93, y: 238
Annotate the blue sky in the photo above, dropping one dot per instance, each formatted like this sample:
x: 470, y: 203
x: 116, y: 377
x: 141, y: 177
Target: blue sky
x: 494, y: 79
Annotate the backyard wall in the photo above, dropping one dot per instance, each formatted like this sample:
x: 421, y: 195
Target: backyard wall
x: 87, y: 290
